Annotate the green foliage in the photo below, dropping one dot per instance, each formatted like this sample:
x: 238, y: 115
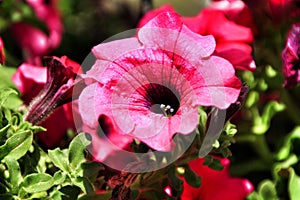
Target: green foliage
x: 27, y: 172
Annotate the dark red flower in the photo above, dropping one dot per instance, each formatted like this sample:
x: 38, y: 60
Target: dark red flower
x: 277, y: 11
x: 48, y: 90
x: 233, y: 41
x: 150, y: 86
x: 290, y: 57
x: 2, y: 54
x: 216, y: 185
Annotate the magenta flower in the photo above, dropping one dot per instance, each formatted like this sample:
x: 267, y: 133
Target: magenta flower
x: 150, y: 86
x: 216, y: 185
x: 2, y: 54
x: 34, y: 41
x: 290, y: 57
x: 49, y: 14
x: 31, y: 80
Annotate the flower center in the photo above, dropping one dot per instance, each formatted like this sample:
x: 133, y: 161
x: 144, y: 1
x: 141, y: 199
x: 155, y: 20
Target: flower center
x: 161, y: 99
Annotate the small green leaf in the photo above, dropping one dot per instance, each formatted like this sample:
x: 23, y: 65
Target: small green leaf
x: 262, y: 123
x: 37, y: 182
x: 76, y: 150
x: 17, y: 145
x: 286, y: 148
x: 59, y: 159
x: 5, y: 93
x: 3, y: 131
x: 90, y: 170
x: 294, y: 185
x: 267, y: 190
x: 58, y: 178
x: 39, y: 195
x: 84, y: 184
x: 191, y: 178
x: 70, y: 192
x: 14, y: 173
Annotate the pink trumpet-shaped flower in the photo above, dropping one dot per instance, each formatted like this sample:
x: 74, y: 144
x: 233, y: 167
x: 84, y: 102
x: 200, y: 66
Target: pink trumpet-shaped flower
x: 48, y: 91
x: 150, y: 86
x: 290, y: 57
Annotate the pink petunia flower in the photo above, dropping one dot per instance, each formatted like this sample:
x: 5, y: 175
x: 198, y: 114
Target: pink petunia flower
x: 233, y: 41
x: 2, y: 54
x: 32, y: 82
x: 290, y: 57
x: 216, y: 185
x: 150, y: 86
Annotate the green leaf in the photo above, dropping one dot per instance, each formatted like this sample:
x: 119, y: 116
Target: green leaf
x: 17, y: 145
x: 84, y: 184
x: 267, y: 190
x: 76, y: 150
x: 59, y: 159
x: 191, y: 178
x: 5, y: 77
x: 3, y: 131
x: 70, y: 192
x: 253, y: 196
x: 14, y: 173
x: 262, y: 123
x: 37, y: 182
x: 294, y: 185
x: 5, y: 93
x: 90, y: 170
x: 58, y: 178
x: 286, y: 148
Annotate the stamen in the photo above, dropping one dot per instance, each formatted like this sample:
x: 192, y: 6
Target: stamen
x: 167, y: 110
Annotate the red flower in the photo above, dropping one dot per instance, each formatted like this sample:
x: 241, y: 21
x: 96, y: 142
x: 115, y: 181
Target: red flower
x: 236, y: 11
x: 216, y: 185
x: 32, y: 82
x: 151, y: 86
x: 2, y: 54
x: 233, y: 40
x: 290, y: 57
